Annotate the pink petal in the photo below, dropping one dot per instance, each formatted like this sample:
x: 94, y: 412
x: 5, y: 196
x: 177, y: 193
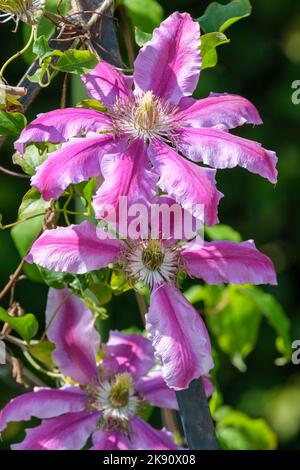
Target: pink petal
x: 126, y: 171
x: 208, y: 386
x: 187, y: 183
x: 154, y: 389
x: 128, y: 353
x: 67, y: 432
x: 220, y: 149
x: 106, y: 84
x: 169, y: 64
x: 114, y: 440
x: 218, y: 109
x: 71, y: 328
x: 179, y: 337
x: 145, y: 437
x: 222, y: 261
x: 74, y: 249
x: 75, y: 161
x: 62, y: 124
x: 42, y: 403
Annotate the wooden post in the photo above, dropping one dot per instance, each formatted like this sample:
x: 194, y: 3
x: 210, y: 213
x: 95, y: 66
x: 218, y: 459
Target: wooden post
x: 196, y: 419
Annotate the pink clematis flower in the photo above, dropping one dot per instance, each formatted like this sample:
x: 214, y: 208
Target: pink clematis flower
x: 178, y: 334
x: 108, y: 396
x: 143, y: 139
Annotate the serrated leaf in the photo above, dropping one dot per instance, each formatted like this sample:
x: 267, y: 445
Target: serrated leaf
x: 219, y: 17
x: 26, y: 326
x: 75, y: 61
x: 11, y: 123
x: 209, y: 43
x: 141, y: 37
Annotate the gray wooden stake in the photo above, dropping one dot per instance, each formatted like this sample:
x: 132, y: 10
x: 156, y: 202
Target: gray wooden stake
x: 195, y: 417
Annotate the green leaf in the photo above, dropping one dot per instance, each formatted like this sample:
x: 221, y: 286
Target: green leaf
x: 276, y: 317
x: 118, y: 283
x: 31, y: 159
x: 209, y: 43
x: 232, y: 439
x: 237, y: 431
x: 92, y: 302
x: 141, y: 37
x: 79, y: 283
x: 102, y: 292
x: 223, y: 232
x: 11, y: 123
x: 235, y: 322
x: 195, y: 294
x: 41, y: 46
x: 42, y: 351
x: 88, y: 190
x: 37, y: 76
x: 145, y: 15
x: 26, y: 326
x: 25, y: 233
x: 53, y: 278
x: 74, y: 61
x: 32, y: 204
x: 219, y: 17
x: 234, y: 315
x: 92, y: 104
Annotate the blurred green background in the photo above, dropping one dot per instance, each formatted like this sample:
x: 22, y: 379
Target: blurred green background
x: 260, y: 63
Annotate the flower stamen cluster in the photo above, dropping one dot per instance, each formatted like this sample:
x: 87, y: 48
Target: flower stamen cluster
x: 146, y: 117
x: 115, y: 398
x: 151, y: 262
x: 28, y: 11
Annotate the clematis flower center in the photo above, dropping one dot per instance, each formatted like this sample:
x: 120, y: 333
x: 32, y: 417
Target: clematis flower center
x: 153, y: 255
x: 151, y: 262
x: 28, y: 11
x: 120, y: 389
x: 146, y: 116
x: 116, y: 399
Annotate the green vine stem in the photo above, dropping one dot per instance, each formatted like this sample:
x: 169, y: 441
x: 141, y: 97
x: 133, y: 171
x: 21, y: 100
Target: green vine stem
x: 19, y: 53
